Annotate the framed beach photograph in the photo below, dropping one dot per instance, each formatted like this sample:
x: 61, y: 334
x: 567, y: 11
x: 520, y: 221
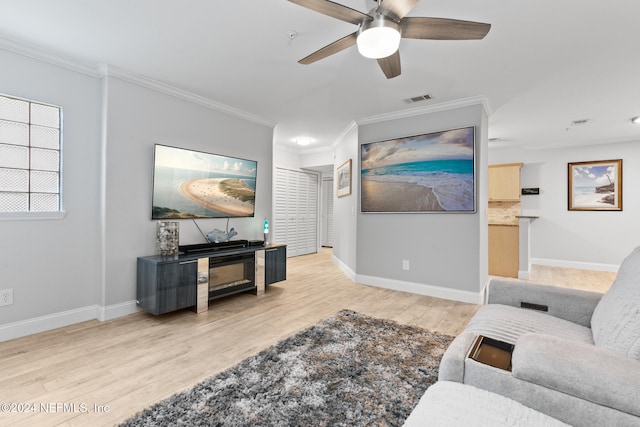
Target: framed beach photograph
x: 344, y: 179
x: 595, y: 186
x: 428, y: 173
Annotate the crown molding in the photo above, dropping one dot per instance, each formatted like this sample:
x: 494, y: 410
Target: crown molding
x: 50, y: 57
x: 350, y: 127
x: 432, y: 108
x: 105, y: 70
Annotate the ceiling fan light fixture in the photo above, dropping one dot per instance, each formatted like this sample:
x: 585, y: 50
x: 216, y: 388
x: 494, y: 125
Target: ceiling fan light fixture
x: 378, y: 38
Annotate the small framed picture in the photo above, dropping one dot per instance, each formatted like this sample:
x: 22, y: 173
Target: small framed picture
x: 595, y: 186
x: 344, y: 179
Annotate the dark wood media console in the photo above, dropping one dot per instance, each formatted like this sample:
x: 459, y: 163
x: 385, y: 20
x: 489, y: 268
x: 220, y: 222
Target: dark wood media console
x: 166, y: 284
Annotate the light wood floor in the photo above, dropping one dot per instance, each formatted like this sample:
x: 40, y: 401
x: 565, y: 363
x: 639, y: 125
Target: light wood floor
x: 589, y: 280
x: 110, y: 370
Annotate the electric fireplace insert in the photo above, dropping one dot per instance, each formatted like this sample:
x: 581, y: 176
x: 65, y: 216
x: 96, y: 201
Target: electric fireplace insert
x: 231, y: 274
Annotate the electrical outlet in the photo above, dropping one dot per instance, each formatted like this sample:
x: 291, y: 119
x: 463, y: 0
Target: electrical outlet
x: 6, y: 297
x: 405, y: 264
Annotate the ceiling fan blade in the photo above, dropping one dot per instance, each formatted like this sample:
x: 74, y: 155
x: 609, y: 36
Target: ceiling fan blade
x: 443, y: 29
x: 396, y: 9
x: 330, y: 49
x: 334, y: 10
x: 390, y: 65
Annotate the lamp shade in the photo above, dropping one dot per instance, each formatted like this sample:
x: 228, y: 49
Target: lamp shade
x: 378, y: 38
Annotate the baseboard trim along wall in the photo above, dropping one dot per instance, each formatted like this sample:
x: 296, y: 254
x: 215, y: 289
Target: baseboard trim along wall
x: 575, y: 264
x: 116, y: 310
x: 524, y: 274
x: 422, y: 289
x: 49, y: 322
x: 345, y: 269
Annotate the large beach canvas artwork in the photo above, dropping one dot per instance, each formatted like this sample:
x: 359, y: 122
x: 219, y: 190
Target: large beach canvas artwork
x: 595, y: 186
x: 192, y: 184
x: 432, y: 172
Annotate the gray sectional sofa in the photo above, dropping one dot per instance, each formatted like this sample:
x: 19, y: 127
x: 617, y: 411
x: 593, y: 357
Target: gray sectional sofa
x: 576, y: 354
x: 451, y: 404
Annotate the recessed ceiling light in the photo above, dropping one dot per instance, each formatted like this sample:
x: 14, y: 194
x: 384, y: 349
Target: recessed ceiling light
x: 636, y: 120
x: 303, y: 141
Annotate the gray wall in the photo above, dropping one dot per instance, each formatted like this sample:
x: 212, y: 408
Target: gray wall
x: 83, y: 266
x: 577, y: 239
x: 52, y: 265
x: 345, y: 209
x: 138, y: 118
x: 447, y: 251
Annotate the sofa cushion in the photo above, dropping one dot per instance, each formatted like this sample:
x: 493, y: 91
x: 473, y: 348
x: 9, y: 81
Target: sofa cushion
x: 616, y: 319
x: 452, y: 404
x: 586, y: 371
x: 507, y: 323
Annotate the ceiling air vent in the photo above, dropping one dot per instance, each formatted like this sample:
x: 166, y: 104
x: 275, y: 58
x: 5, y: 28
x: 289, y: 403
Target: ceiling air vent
x: 418, y: 99
x: 579, y: 122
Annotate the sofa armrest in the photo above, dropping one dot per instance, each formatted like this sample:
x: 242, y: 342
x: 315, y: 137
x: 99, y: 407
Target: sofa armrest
x: 569, y: 304
x: 578, y: 369
x: 452, y: 363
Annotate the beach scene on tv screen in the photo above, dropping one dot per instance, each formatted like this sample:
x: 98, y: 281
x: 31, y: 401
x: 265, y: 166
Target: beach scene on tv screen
x: 424, y: 173
x: 192, y: 184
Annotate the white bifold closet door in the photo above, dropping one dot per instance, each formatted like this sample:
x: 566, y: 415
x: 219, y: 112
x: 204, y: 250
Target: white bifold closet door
x: 296, y: 211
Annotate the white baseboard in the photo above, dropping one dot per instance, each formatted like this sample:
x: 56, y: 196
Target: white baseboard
x: 117, y: 310
x: 35, y: 325
x: 49, y: 322
x: 423, y: 289
x: 575, y: 264
x: 524, y: 275
x: 415, y: 288
x: 345, y: 269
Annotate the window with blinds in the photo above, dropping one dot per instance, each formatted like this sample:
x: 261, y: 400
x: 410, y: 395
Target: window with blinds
x: 30, y: 156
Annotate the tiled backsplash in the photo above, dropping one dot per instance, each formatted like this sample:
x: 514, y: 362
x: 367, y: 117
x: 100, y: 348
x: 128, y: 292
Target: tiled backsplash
x: 503, y: 213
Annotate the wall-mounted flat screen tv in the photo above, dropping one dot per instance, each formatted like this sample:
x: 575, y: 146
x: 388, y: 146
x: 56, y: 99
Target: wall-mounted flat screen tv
x: 193, y: 184
x: 433, y: 172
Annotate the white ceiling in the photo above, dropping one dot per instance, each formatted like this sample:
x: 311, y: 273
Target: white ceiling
x: 544, y: 64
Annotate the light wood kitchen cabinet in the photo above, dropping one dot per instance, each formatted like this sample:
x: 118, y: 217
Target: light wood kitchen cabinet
x: 503, y: 250
x: 504, y: 182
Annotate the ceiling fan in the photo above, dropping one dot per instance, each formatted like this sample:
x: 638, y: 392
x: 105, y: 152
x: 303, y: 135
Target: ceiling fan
x: 380, y: 29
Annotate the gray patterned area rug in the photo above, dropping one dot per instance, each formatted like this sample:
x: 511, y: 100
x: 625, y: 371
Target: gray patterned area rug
x: 348, y: 370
